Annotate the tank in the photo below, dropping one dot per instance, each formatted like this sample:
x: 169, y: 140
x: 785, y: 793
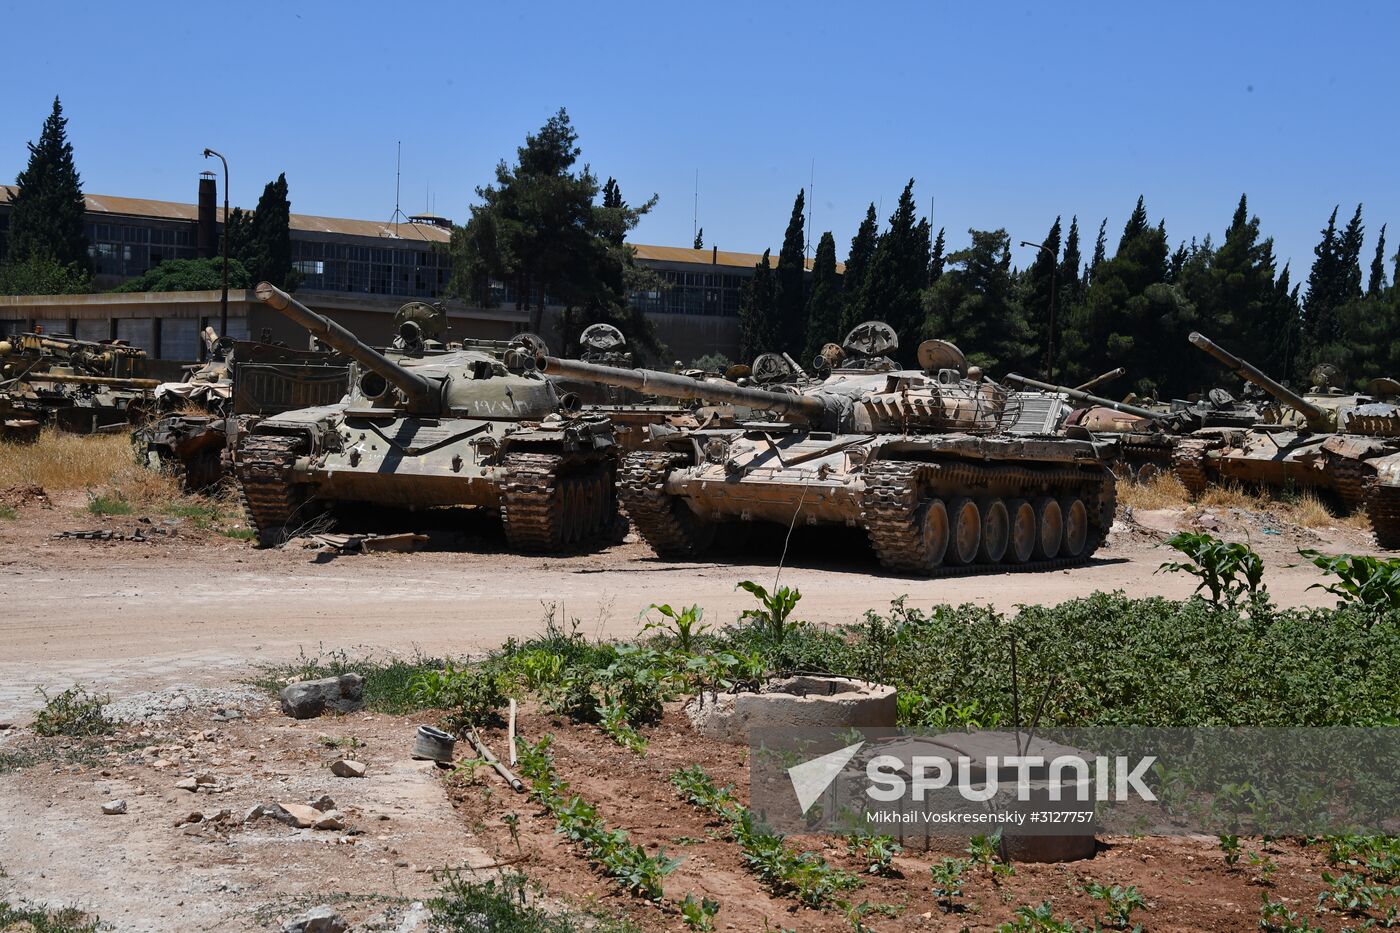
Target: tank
x: 421, y: 428
x: 919, y: 459
x: 1142, y: 437
x: 1345, y: 444
x: 200, y: 420
x: 79, y: 386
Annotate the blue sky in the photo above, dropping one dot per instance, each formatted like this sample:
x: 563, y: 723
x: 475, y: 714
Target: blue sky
x: 1005, y: 114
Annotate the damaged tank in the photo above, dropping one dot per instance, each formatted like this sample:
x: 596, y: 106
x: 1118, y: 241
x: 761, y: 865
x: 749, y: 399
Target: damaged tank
x: 919, y: 459
x: 1345, y: 444
x: 79, y: 386
x: 423, y: 427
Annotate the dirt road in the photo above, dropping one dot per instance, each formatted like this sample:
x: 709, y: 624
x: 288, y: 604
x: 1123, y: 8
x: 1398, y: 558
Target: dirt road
x: 197, y: 608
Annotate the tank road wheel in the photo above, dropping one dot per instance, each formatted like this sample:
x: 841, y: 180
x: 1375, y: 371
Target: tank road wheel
x: 544, y: 509
x: 996, y: 530
x: 935, y: 529
x: 966, y: 520
x: 672, y: 529
x: 1023, y: 531
x: 1050, y: 528
x: 1383, y: 509
x: 1075, y: 518
x: 273, y: 503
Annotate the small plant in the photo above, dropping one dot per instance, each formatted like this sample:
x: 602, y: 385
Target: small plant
x: 512, y: 821
x: 8, y: 514
x: 876, y: 852
x: 613, y: 721
x: 474, y: 694
x: 345, y: 741
x: 19, y: 917
x: 1038, y: 919
x: 949, y: 877
x: 683, y: 625
x: 239, y: 534
x: 1264, y: 868
x: 770, y: 621
x: 984, y: 852
x: 1119, y: 903
x: 699, y: 915
x: 1228, y: 571
x: 109, y: 505
x: 1275, y: 917
x: 1372, y: 582
x: 1230, y: 846
x: 74, y: 713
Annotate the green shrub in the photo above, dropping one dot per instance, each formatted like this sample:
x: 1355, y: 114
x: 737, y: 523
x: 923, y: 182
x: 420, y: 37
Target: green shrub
x: 1368, y: 581
x: 34, y: 920
x: 109, y: 505
x: 74, y: 713
x: 503, y: 905
x: 1229, y: 571
x: 473, y: 694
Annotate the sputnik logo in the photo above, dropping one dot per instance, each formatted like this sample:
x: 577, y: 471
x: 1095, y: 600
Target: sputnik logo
x: 811, y: 778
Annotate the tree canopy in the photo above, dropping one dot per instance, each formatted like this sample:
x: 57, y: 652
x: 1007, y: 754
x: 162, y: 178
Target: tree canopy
x: 47, y: 248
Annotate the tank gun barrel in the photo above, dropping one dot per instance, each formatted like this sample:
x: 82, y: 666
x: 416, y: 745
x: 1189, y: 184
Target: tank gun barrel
x: 1315, y: 416
x: 1101, y: 379
x: 668, y: 385
x: 1081, y: 396
x: 417, y: 388
x: 122, y: 382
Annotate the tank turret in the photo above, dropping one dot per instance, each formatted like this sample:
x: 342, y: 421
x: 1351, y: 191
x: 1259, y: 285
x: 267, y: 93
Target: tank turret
x: 1079, y: 395
x: 1316, y: 417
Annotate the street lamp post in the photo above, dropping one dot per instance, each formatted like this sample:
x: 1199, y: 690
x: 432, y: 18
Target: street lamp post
x: 223, y: 300
x: 1050, y: 337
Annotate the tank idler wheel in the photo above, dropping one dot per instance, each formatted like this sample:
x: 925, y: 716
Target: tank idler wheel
x: 996, y: 530
x: 966, y: 521
x: 934, y: 531
x: 1075, y: 518
x: 1147, y: 473
x: 1050, y: 528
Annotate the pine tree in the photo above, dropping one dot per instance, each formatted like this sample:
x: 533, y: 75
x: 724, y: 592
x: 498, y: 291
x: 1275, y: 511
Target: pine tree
x: 1069, y: 266
x: 1099, y: 245
x: 824, y: 306
x: 791, y: 291
x: 1040, y: 277
x: 937, y: 259
x: 1325, y: 287
x: 269, y: 250
x: 974, y: 303
x: 46, y: 213
x: 898, y: 274
x: 700, y: 238
x: 1350, y: 250
x: 858, y: 262
x: 1375, y: 286
x: 758, y: 314
x: 1137, y: 223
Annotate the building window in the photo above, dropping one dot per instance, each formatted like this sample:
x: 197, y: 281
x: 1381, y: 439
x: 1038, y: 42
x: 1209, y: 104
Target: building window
x: 310, y: 266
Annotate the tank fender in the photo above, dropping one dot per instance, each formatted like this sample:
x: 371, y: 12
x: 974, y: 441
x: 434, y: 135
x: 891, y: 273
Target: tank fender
x: 1350, y: 445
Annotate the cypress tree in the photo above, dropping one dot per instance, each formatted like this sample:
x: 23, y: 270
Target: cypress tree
x: 824, y: 307
x: 1350, y: 250
x: 46, y: 213
x: 1325, y: 286
x: 899, y: 273
x: 1069, y: 265
x: 1042, y: 273
x: 858, y: 270
x: 791, y: 297
x: 758, y: 314
x: 937, y: 259
x: 1137, y: 223
x: 270, y: 237
x: 1375, y: 286
x: 1099, y: 244
x: 700, y: 238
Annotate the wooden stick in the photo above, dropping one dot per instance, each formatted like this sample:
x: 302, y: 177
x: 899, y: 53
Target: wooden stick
x: 515, y: 783
x: 510, y: 734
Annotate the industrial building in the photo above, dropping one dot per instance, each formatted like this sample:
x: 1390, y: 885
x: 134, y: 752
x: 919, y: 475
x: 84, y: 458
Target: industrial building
x: 356, y: 271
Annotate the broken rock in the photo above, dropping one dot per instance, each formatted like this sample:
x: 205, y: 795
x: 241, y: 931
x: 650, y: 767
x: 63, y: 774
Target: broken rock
x: 310, y: 698
x: 189, y: 784
x: 114, y: 807
x: 322, y: 803
x: 296, y: 814
x: 316, y: 920
x: 346, y: 768
x: 330, y: 820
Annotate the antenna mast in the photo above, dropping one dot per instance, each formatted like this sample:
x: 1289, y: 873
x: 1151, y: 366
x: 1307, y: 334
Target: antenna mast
x: 811, y: 206
x: 398, y: 173
x: 695, y: 213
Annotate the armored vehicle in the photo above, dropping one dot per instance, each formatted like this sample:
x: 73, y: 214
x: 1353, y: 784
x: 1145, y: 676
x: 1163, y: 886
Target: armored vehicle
x: 917, y: 458
x: 1343, y: 443
x: 79, y: 386
x: 1142, y: 437
x: 242, y: 383
x: 422, y: 428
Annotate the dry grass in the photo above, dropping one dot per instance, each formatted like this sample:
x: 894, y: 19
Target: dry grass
x: 1163, y: 491
x: 60, y: 461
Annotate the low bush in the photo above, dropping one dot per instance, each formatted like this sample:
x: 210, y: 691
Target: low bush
x: 503, y: 905
x: 74, y: 713
x: 36, y: 920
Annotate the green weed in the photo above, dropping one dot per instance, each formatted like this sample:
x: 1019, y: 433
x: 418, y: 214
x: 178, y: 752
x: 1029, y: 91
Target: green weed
x: 682, y: 625
x: 106, y: 505
x: 1119, y: 903
x: 1228, y: 571
x: 7, y: 513
x: 74, y: 713
x: 949, y: 876
x: 503, y: 905
x: 699, y: 915
x: 1363, y: 580
x: 36, y: 920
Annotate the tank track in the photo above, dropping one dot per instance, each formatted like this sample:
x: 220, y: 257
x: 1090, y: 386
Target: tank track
x: 1383, y: 509
x: 1352, y: 479
x: 893, y: 495
x: 672, y: 530
x: 270, y: 499
x: 1189, y: 464
x: 544, y: 508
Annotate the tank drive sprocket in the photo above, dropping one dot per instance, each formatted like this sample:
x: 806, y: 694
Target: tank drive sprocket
x: 549, y: 503
x: 664, y: 521
x: 1189, y: 464
x: 270, y: 499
